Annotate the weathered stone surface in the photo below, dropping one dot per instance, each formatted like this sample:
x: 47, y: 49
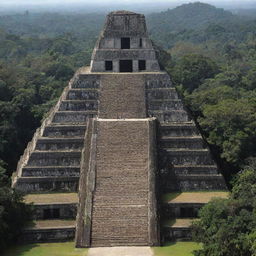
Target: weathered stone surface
x: 52, y: 235
x: 109, y: 47
x: 55, y: 171
x: 66, y: 211
x: 86, y: 188
x: 57, y: 131
x: 47, y: 184
x: 117, y: 91
x: 123, y: 202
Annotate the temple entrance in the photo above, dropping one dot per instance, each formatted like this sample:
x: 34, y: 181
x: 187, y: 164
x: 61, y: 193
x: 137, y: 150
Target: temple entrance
x: 125, y: 65
x: 51, y: 214
x: 125, y: 43
x: 186, y: 212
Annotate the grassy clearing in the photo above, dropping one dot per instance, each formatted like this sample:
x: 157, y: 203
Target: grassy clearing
x: 193, y: 197
x: 177, y: 249
x: 179, y: 222
x: 47, y: 249
x: 51, y: 198
x: 169, y: 197
x: 68, y: 249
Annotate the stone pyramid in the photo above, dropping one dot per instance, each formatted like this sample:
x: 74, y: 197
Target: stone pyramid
x: 121, y: 127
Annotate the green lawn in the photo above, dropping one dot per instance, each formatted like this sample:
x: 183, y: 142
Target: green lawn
x: 68, y: 249
x: 177, y: 249
x: 47, y: 249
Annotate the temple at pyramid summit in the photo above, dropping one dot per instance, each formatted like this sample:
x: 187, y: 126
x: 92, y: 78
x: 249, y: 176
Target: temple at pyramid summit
x: 118, y: 161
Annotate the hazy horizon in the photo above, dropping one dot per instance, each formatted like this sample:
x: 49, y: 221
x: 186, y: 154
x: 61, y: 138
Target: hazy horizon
x: 106, y: 5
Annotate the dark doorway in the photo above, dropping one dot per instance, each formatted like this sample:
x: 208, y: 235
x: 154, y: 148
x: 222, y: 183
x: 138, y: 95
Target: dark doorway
x: 108, y: 65
x: 125, y: 43
x: 51, y: 214
x: 142, y: 65
x: 187, y: 212
x: 125, y: 65
x: 140, y: 42
x: 47, y: 214
x: 55, y: 213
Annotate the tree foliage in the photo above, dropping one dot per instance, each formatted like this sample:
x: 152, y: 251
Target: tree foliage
x: 227, y: 227
x: 191, y: 70
x: 14, y: 214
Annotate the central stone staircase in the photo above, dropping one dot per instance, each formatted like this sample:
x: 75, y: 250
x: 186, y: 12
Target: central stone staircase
x: 120, y: 201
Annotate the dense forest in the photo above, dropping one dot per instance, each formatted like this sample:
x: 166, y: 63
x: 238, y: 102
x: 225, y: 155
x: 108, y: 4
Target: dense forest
x: 210, y: 54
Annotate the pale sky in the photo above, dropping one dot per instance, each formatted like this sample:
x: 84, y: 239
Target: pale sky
x: 48, y: 2
x: 134, y: 5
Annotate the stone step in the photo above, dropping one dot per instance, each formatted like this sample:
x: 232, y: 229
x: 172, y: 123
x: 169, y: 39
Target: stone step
x: 87, y: 81
x: 194, y: 182
x: 47, y: 184
x: 49, y: 231
x: 57, y: 131
x: 123, y: 190
x: 121, y: 237
x: 47, y: 143
x: 170, y: 115
x: 73, y: 116
x: 109, y: 193
x: 53, y: 205
x: 115, y: 200
x: 166, y: 104
x: 115, y: 242
x: 78, y: 105
x: 120, y: 230
x: 41, y: 171
x: 194, y: 169
x: 82, y: 94
x: 182, y: 142
x: 120, y: 181
x: 161, y: 93
x: 190, y: 156
x: 178, y: 129
x: 54, y: 158
x: 124, y: 222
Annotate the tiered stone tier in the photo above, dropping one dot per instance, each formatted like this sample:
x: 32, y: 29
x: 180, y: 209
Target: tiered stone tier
x: 51, y: 162
x: 188, y: 162
x: 185, y: 161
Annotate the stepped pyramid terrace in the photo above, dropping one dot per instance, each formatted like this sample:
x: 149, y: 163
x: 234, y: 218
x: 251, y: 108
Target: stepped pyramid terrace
x: 118, y: 161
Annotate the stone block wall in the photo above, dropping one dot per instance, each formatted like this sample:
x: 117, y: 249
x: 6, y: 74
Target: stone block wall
x: 122, y: 96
